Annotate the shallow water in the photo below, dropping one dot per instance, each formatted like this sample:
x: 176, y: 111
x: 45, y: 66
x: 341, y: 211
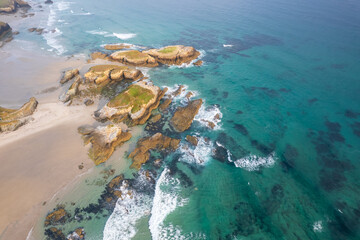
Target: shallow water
x: 284, y: 75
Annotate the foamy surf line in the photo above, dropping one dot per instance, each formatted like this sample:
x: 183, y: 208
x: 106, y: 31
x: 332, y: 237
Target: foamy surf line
x: 122, y: 36
x: 254, y: 163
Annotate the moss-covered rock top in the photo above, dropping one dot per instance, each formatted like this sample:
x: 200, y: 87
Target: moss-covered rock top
x: 135, y: 96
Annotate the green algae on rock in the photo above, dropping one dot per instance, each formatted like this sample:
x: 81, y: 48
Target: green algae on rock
x: 174, y: 55
x: 134, y: 104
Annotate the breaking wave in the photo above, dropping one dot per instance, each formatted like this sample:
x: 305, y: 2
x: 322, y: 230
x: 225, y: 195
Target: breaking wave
x: 128, y: 211
x: 166, y: 200
x: 253, y: 162
x: 209, y: 116
x: 200, y: 155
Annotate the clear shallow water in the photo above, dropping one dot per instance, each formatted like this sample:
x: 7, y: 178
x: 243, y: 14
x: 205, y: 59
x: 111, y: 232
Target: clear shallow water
x: 285, y: 76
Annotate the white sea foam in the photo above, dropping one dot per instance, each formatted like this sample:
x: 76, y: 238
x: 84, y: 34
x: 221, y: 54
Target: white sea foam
x: 97, y: 32
x: 62, y: 6
x: 199, y: 155
x: 318, y: 226
x: 208, y: 115
x: 253, y: 162
x: 53, y: 42
x: 227, y: 45
x: 166, y: 200
x: 124, y: 36
x: 128, y: 211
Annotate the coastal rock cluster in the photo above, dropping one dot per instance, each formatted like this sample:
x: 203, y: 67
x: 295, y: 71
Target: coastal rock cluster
x: 10, y: 6
x: 12, y: 119
x: 169, y: 55
x: 6, y: 34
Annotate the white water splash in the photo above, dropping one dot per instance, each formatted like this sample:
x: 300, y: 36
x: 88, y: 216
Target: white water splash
x: 166, y: 200
x: 124, y: 36
x: 318, y: 226
x: 190, y: 64
x: 97, y: 32
x: 200, y: 155
x: 208, y: 116
x: 128, y: 211
x: 227, y: 45
x: 253, y: 162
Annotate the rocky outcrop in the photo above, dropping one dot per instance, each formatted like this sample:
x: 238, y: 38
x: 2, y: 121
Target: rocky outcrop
x: 134, y: 105
x: 9, y: 6
x: 135, y: 58
x: 141, y: 154
x: 77, y: 234
x: 198, y: 63
x: 101, y: 73
x: 184, y: 116
x: 68, y: 75
x: 5, y: 29
x: 165, y: 104
x: 173, y: 55
x: 11, y: 119
x: 73, y: 89
x: 116, y: 46
x: 99, y: 55
x: 56, y: 217
x: 104, y: 140
x: 193, y: 140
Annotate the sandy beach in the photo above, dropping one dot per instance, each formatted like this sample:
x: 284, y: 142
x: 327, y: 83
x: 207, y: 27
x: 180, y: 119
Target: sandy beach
x: 43, y: 156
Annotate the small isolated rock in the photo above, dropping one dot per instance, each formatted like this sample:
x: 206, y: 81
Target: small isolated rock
x: 189, y: 95
x: 32, y: 29
x: 155, y: 118
x: 88, y: 102
x: 198, y: 63
x: 81, y: 166
x: 16, y: 33
x: 48, y: 2
x: 191, y: 139
x: 58, y: 216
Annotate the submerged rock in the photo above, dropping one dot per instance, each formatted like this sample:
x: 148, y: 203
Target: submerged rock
x: 184, y: 116
x: 198, y: 63
x: 141, y: 153
x: 134, y: 57
x: 133, y: 105
x: 68, y: 75
x: 11, y: 119
x: 104, y: 140
x: 54, y: 234
x: 56, y: 217
x: 174, y: 55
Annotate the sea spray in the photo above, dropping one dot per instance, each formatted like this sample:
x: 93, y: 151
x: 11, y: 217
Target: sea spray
x: 166, y: 200
x: 128, y: 211
x: 253, y: 162
x: 199, y: 155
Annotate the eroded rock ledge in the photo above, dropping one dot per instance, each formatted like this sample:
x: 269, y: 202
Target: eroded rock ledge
x: 12, y: 119
x: 141, y: 153
x: 184, y: 116
x: 12, y: 5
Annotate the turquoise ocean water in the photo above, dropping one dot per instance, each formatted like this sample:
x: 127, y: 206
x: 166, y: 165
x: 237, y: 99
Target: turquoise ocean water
x: 283, y: 163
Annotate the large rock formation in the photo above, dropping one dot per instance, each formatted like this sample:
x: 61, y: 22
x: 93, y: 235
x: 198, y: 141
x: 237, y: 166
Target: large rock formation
x: 135, y: 58
x: 9, y: 6
x: 134, y: 105
x: 11, y: 119
x: 184, y: 116
x: 104, y: 140
x: 174, y: 55
x: 141, y: 154
x: 101, y: 73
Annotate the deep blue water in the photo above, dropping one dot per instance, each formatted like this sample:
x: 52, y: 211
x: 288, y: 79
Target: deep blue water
x: 285, y: 76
